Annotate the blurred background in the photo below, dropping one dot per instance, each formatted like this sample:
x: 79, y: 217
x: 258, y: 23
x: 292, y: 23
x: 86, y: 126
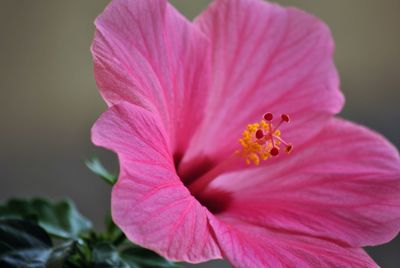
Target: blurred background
x: 49, y: 100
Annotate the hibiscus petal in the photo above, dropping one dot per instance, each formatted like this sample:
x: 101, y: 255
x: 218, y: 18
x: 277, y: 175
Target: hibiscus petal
x: 247, y: 246
x: 148, y: 54
x: 343, y: 186
x: 266, y: 58
x: 149, y: 202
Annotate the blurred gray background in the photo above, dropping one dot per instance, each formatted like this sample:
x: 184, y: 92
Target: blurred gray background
x: 48, y: 97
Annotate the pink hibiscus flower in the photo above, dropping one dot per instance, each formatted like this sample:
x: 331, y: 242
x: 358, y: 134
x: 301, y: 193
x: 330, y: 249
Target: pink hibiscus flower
x: 181, y: 96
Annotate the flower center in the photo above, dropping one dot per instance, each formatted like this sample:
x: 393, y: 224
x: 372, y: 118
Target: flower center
x: 262, y: 140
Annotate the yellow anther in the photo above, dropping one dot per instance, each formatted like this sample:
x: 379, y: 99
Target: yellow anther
x: 260, y: 141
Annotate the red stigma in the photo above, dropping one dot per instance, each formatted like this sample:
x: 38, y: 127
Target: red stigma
x: 268, y: 116
x: 285, y: 117
x: 289, y: 148
x: 259, y: 134
x: 274, y: 151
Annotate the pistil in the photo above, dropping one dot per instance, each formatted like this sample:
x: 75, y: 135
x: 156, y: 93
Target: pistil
x: 262, y: 140
x: 259, y: 141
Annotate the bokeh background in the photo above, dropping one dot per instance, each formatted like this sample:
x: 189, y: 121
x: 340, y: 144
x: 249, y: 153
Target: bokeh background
x: 49, y: 100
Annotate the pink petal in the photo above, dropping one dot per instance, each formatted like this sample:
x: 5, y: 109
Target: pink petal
x: 266, y: 58
x: 148, y: 54
x: 149, y: 202
x: 342, y: 186
x: 247, y: 246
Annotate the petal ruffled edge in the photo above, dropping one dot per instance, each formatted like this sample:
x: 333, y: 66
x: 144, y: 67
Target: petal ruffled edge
x: 342, y: 186
x: 148, y: 54
x: 248, y: 246
x: 149, y: 202
x: 266, y: 58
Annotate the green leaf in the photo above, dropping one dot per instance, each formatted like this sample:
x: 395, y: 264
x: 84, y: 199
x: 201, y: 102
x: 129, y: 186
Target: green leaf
x: 16, y: 233
x: 113, y: 233
x: 97, y: 168
x: 145, y: 258
x: 59, y: 254
x: 26, y: 244
x: 27, y: 258
x: 105, y: 255
x: 60, y: 219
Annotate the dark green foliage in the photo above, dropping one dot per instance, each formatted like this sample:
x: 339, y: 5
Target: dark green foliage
x: 60, y: 219
x: 38, y: 233
x: 26, y: 244
x: 108, y: 256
